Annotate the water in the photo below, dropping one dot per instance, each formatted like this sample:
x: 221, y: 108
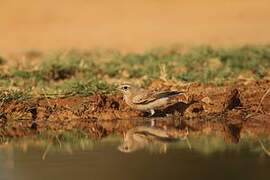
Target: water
x: 208, y: 158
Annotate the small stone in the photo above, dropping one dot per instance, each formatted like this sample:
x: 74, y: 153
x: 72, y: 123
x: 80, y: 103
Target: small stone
x: 207, y: 100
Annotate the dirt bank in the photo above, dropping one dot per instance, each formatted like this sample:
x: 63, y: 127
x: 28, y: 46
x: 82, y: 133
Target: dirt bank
x: 230, y: 109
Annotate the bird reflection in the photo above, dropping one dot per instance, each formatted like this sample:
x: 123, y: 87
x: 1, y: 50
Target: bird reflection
x: 142, y: 137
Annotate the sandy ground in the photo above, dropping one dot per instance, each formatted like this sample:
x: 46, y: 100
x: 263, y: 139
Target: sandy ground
x: 130, y: 25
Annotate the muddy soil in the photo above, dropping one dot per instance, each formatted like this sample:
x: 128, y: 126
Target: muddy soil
x: 230, y: 110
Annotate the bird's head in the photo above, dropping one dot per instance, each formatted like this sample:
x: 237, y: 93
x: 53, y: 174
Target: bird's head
x: 126, y: 88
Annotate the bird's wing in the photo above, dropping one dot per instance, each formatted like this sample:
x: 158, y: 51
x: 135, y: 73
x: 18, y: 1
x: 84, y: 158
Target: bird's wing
x: 141, y: 98
x: 145, y: 98
x: 164, y: 94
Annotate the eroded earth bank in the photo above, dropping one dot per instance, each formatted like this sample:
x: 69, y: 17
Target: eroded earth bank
x: 229, y: 110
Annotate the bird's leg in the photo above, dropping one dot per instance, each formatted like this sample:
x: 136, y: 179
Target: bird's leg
x: 152, y: 112
x: 153, y: 122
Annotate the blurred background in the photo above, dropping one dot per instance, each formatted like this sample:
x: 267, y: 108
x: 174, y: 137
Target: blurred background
x: 130, y: 25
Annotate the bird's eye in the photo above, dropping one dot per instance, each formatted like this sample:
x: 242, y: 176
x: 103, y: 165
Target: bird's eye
x: 125, y: 87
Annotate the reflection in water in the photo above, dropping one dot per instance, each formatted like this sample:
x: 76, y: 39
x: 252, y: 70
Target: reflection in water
x: 210, y: 158
x: 82, y: 158
x: 7, y: 162
x: 142, y: 136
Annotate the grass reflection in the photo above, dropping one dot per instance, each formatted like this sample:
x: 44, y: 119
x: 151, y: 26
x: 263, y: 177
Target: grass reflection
x: 72, y: 142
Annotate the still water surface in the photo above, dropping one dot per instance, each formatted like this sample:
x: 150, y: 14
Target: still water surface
x: 209, y: 158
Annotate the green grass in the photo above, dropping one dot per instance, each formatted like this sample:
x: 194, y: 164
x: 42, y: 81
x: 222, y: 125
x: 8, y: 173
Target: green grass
x: 85, y: 72
x: 14, y: 95
x: 85, y: 88
x: 194, y: 63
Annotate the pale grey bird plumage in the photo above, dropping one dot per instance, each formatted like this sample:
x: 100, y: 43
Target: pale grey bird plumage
x: 144, y: 100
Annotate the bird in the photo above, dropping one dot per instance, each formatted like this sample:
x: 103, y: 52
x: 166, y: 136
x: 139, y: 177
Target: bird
x: 144, y: 100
